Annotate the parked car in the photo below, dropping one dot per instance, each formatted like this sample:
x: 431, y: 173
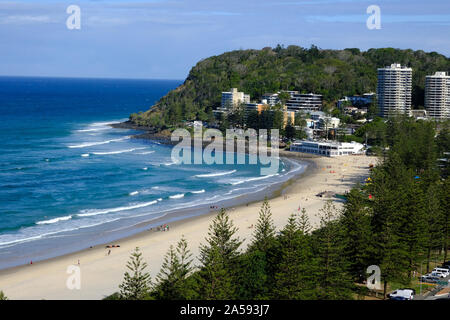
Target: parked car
x: 402, y: 294
x: 398, y: 298
x: 441, y: 270
x: 438, y: 274
x: 445, y: 267
x: 429, y: 279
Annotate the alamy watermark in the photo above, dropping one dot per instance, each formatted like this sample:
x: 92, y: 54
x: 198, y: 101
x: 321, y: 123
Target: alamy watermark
x: 73, y: 281
x: 374, y: 280
x: 374, y: 20
x: 74, y: 20
x: 193, y: 150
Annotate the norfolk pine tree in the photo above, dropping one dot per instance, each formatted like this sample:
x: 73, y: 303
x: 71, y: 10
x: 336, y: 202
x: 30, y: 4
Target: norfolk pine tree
x: 355, y: 219
x: 137, y: 285
x: 219, y: 258
x: 172, y: 281
x: 256, y: 265
x: 390, y: 196
x: 296, y: 270
x: 287, y: 277
x: 264, y: 235
x: 334, y: 282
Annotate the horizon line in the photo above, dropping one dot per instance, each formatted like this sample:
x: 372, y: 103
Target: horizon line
x: 87, y: 78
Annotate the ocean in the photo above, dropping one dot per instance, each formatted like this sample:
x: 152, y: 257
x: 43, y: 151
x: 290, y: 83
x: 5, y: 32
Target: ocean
x: 68, y: 180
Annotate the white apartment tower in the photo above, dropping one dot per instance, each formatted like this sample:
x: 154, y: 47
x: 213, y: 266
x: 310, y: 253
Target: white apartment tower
x: 437, y: 95
x: 394, y: 90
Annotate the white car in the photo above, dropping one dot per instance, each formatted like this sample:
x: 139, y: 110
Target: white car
x: 406, y: 294
x: 438, y: 274
x: 445, y: 272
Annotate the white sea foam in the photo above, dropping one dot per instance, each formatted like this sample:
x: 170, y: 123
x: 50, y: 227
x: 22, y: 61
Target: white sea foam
x: 146, y: 152
x: 177, y: 196
x: 160, y: 199
x: 85, y: 155
x: 233, y: 190
x: 169, y: 163
x: 33, y: 237
x: 116, y: 151
x: 145, y: 169
x: 134, y: 193
x: 94, y: 212
x: 93, y: 129
x: 216, y: 174
x: 253, y: 179
x: 50, y: 221
x: 200, y: 191
x: 90, y: 144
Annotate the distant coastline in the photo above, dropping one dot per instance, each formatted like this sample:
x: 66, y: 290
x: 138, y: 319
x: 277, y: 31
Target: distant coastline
x: 153, y: 134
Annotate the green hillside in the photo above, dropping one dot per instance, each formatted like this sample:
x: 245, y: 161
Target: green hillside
x: 333, y: 73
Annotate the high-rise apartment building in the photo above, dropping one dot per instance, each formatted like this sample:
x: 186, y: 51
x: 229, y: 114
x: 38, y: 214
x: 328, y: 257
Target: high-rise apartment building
x: 394, y: 90
x: 437, y: 95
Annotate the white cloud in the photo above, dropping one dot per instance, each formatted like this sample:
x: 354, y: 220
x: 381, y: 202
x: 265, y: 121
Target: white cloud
x: 25, y: 19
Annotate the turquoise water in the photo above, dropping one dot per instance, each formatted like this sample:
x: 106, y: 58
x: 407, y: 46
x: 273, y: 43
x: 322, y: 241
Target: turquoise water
x: 68, y: 180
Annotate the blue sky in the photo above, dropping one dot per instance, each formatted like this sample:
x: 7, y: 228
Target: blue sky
x: 163, y: 39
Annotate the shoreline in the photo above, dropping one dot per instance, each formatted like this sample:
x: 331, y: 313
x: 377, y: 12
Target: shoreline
x: 169, y: 216
x: 177, y: 216
x: 274, y: 192
x: 102, y: 273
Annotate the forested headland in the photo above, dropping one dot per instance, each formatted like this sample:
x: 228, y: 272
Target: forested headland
x: 332, y: 73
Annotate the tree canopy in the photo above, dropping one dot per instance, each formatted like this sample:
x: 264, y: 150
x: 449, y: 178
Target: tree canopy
x: 332, y: 73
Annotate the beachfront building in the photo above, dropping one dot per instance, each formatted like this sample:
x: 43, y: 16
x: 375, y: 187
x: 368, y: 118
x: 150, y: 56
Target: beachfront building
x: 233, y: 98
x: 304, y: 102
x: 394, y: 90
x: 437, y: 95
x: 327, y: 148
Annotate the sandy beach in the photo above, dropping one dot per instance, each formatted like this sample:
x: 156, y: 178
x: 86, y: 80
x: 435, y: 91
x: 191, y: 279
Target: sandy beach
x: 102, y: 273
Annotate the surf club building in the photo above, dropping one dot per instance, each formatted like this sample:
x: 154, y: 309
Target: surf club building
x: 327, y: 148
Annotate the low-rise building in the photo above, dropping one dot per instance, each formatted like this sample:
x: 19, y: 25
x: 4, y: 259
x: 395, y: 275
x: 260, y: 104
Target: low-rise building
x: 256, y: 107
x: 233, y: 98
x: 270, y: 98
x: 288, y: 116
x: 329, y: 122
x: 327, y: 148
x: 304, y: 102
x: 357, y: 101
x: 419, y: 114
x: 316, y: 115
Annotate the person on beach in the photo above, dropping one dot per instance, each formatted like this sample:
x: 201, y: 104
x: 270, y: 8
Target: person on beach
x: 109, y: 252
